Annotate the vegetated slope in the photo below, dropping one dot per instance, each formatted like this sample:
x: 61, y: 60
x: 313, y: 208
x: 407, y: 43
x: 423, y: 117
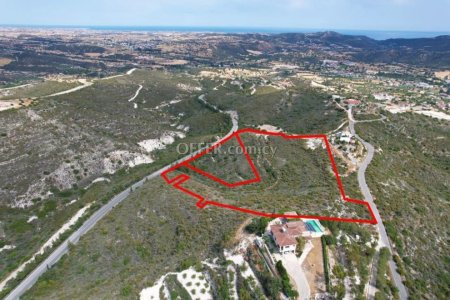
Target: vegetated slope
x: 293, y: 178
x: 38, y: 89
x: 226, y: 162
x: 64, y: 141
x: 410, y: 177
x: 30, y: 61
x: 299, y: 109
x: 417, y: 51
x: 427, y: 52
x: 69, y: 138
x: 156, y: 231
x: 309, y: 112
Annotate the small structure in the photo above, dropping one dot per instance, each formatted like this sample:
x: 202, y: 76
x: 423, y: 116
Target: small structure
x: 383, y: 97
x: 352, y: 102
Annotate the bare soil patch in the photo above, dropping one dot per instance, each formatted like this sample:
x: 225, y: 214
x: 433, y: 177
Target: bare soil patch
x: 313, y: 267
x: 4, y: 61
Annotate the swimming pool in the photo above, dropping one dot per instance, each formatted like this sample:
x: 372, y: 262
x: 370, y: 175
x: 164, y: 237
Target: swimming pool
x: 312, y: 225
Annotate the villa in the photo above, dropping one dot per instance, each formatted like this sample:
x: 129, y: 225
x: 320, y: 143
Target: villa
x: 284, y: 235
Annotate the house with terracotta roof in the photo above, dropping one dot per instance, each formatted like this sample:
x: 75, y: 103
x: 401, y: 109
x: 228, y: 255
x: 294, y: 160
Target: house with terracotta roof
x: 285, y: 234
x: 352, y: 102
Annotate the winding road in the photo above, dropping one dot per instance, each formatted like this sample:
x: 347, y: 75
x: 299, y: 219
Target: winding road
x: 63, y: 248
x: 368, y: 197
x: 84, y: 84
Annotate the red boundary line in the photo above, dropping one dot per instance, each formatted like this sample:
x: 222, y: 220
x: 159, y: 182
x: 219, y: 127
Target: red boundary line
x: 177, y: 181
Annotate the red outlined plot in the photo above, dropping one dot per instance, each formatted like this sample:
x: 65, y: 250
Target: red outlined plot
x: 177, y: 181
x: 221, y: 181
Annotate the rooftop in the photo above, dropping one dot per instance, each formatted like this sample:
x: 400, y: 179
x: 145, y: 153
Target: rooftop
x: 285, y: 234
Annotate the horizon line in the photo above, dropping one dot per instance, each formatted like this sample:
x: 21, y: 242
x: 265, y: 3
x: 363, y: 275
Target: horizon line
x: 312, y: 29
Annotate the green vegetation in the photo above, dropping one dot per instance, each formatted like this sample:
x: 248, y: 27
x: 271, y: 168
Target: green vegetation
x: 326, y: 264
x: 409, y: 178
x: 271, y: 285
x: 243, y: 288
x: 177, y: 291
x: 167, y: 228
x: 299, y: 110
x: 57, y: 146
x: 285, y: 281
x: 384, y: 286
x: 86, y: 109
x: 257, y: 226
x: 40, y: 89
x: 188, y: 262
x: 107, y: 92
x: 220, y: 279
x: 355, y: 249
x: 247, y: 288
x: 226, y: 162
x: 293, y: 178
x: 339, y: 288
x: 300, y: 246
x: 414, y: 146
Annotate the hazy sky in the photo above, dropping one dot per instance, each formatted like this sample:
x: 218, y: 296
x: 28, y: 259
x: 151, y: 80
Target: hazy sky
x: 414, y: 15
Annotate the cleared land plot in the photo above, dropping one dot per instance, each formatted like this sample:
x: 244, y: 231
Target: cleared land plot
x: 313, y: 267
x: 4, y: 61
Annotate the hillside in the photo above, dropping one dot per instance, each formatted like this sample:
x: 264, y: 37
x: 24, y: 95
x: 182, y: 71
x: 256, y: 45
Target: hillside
x: 410, y: 178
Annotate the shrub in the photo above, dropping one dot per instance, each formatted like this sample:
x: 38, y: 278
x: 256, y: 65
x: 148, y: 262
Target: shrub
x: 285, y: 282
x: 257, y: 226
x: 326, y: 264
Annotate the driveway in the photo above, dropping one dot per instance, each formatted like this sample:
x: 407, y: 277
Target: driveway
x: 295, y: 271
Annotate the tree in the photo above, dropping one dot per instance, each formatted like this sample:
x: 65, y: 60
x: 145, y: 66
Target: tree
x: 340, y: 291
x: 300, y: 246
x: 339, y: 272
x: 285, y: 281
x: 257, y: 226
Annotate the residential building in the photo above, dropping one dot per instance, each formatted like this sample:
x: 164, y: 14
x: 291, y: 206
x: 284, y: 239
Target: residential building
x: 284, y: 235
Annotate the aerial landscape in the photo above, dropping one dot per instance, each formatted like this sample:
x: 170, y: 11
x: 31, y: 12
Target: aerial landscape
x: 222, y: 153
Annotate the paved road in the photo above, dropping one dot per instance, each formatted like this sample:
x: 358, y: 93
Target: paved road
x: 368, y: 197
x: 62, y: 249
x: 80, y: 87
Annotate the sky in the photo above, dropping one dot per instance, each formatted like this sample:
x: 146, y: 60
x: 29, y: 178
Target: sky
x: 401, y: 15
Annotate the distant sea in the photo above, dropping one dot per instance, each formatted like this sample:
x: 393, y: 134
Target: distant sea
x: 375, y: 34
